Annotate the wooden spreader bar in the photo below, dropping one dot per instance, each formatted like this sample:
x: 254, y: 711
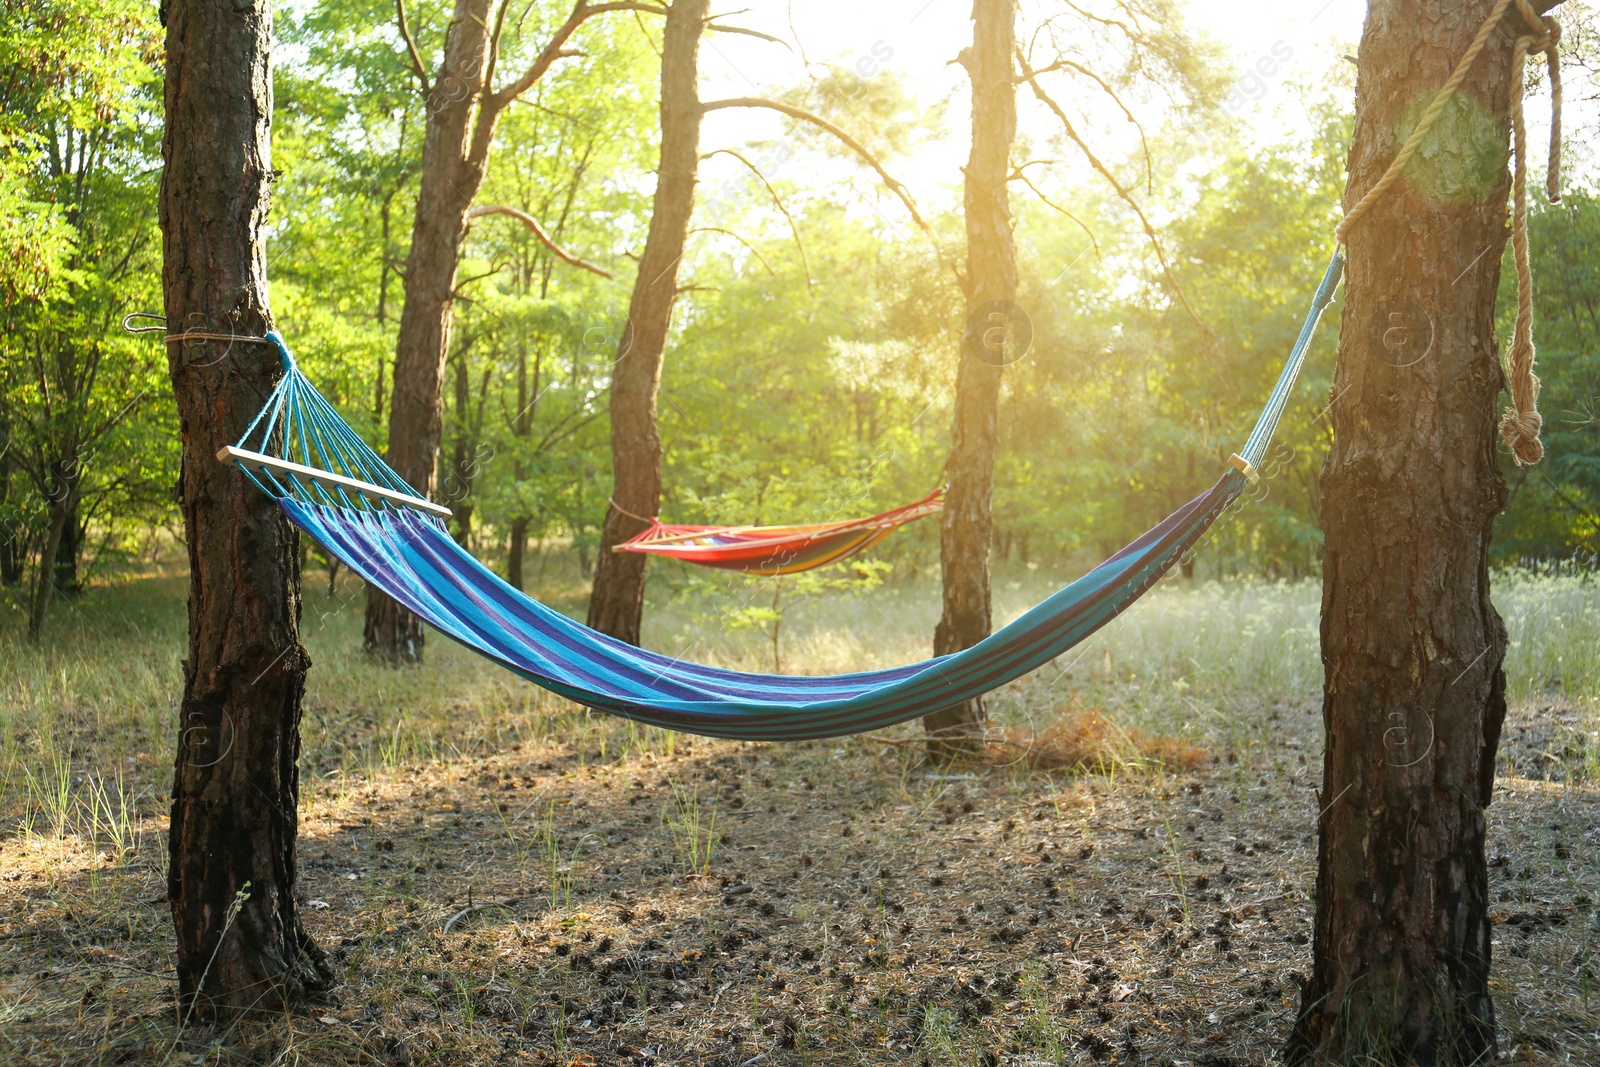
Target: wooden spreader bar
x: 258, y: 461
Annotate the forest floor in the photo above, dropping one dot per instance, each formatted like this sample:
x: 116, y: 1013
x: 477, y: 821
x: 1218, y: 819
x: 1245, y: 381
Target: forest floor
x: 548, y: 888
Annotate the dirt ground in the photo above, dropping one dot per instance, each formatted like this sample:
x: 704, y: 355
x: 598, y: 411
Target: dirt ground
x: 822, y: 903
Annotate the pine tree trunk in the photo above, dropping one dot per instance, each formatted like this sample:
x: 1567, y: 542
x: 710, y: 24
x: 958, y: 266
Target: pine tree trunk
x: 616, y: 605
x: 235, y: 792
x: 1414, y: 694
x: 991, y: 286
x: 451, y: 175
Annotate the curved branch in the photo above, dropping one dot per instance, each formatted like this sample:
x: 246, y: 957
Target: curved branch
x: 1062, y: 63
x: 556, y: 48
x: 793, y: 229
x: 495, y: 37
x: 849, y: 142
x: 712, y: 26
x: 1126, y: 197
x: 538, y: 231
x: 1023, y: 178
x: 457, y: 293
x: 736, y: 237
x: 411, y: 47
x: 648, y: 40
x: 1133, y: 37
x: 563, y: 429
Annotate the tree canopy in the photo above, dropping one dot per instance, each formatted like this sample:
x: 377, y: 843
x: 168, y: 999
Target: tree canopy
x: 813, y: 347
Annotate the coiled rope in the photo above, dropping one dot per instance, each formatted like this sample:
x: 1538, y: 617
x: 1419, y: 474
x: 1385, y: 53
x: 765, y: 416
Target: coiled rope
x: 1521, y: 425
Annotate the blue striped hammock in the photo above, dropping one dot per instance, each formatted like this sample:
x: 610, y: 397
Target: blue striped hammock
x: 338, y: 490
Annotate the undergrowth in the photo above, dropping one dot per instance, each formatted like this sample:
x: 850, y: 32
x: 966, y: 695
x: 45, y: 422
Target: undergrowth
x: 86, y: 717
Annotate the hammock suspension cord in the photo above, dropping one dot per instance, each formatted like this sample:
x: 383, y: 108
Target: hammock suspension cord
x: 636, y: 517
x: 129, y: 319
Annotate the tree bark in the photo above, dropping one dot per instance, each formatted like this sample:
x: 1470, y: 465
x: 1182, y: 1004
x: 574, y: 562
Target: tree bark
x: 991, y: 286
x: 522, y: 428
x: 1414, y: 694
x: 451, y: 176
x: 516, y: 552
x: 13, y: 552
x: 463, y: 109
x: 63, y: 512
x: 13, y: 536
x: 457, y: 491
x: 616, y: 605
x: 235, y: 792
x: 70, y: 550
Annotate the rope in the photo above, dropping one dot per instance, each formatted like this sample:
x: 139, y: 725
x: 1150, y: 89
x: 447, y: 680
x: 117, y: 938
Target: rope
x: 1522, y: 423
x: 1429, y: 117
x: 622, y: 510
x: 128, y: 319
x: 298, y: 424
x: 198, y: 335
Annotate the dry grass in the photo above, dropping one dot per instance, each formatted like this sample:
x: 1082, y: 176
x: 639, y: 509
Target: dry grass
x: 1081, y: 738
x: 661, y: 900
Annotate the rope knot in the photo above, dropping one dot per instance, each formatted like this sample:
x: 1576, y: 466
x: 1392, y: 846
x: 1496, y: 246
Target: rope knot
x: 1544, y: 33
x: 1520, y: 431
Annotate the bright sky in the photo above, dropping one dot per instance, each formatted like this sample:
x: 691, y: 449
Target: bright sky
x: 1298, y: 41
x: 919, y: 38
x: 926, y: 34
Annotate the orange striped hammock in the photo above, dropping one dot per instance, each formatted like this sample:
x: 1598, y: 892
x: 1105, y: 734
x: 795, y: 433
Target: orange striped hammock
x: 775, y: 550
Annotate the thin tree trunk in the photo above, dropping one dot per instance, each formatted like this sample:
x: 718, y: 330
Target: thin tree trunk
x: 235, y: 792
x: 616, y: 606
x: 12, y: 557
x: 1414, y: 694
x: 69, y: 554
x: 13, y: 538
x: 383, y: 280
x: 462, y: 112
x: 450, y: 179
x: 521, y: 427
x: 457, y: 491
x: 71, y: 547
x: 63, y: 517
x: 991, y: 286
x: 43, y: 585
x: 516, y: 551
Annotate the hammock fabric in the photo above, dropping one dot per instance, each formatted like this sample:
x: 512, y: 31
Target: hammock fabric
x: 370, y: 519
x: 775, y: 550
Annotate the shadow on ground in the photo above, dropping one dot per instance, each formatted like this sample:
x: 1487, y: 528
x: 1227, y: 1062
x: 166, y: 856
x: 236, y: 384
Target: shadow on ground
x: 822, y: 903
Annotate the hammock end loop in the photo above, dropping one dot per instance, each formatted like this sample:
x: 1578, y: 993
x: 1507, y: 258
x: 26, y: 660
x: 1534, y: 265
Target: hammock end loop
x: 1245, y: 467
x: 275, y: 338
